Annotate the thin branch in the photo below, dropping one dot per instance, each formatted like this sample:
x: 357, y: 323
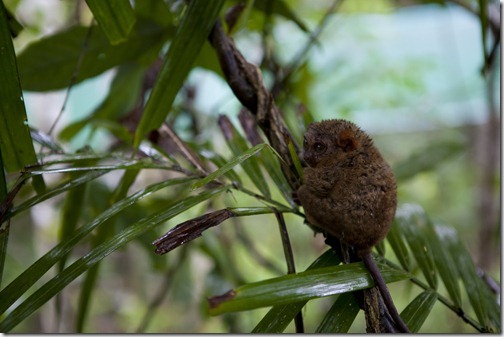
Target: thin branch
x: 289, y: 259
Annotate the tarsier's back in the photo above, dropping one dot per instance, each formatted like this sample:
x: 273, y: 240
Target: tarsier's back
x: 349, y: 190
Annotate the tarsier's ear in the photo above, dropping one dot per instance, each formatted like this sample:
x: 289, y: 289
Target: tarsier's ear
x: 347, y: 141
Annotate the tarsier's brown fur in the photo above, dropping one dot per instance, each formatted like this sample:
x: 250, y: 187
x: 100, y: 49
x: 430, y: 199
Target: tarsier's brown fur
x: 349, y: 191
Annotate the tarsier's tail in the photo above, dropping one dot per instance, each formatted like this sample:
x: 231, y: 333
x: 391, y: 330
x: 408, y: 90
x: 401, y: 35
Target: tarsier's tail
x: 382, y: 287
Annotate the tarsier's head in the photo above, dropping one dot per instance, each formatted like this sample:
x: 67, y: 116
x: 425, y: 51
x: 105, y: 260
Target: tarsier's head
x: 331, y: 140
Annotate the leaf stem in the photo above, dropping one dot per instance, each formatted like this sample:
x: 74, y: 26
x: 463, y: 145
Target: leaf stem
x: 459, y: 311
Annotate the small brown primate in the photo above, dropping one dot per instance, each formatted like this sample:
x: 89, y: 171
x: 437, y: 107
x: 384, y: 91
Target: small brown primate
x: 349, y: 191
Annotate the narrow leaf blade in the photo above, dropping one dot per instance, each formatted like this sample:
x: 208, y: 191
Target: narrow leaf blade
x: 238, y: 145
x: 61, y: 280
x: 115, y: 17
x: 299, y: 287
x: 396, y: 241
x: 15, y: 140
x: 184, y: 49
x: 444, y: 263
x: 33, y: 273
x: 279, y: 317
x: 229, y: 165
x: 340, y: 316
x: 412, y: 219
x: 467, y: 272
x: 415, y: 314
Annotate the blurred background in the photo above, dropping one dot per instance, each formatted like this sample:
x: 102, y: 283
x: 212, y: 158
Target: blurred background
x: 408, y: 72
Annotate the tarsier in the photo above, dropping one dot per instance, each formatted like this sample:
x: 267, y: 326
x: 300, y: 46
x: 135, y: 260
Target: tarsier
x: 349, y: 192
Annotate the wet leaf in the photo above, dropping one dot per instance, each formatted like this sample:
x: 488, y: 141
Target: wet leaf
x: 61, y: 280
x: 444, y: 263
x: 279, y: 317
x: 16, y: 146
x: 340, y: 316
x: 33, y: 273
x: 412, y: 219
x: 465, y: 266
x: 301, y: 286
x: 415, y: 314
x: 396, y: 241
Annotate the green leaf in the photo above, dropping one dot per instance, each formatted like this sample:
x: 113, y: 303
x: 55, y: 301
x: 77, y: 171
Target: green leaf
x: 15, y: 140
x: 184, y: 49
x: 396, y: 241
x: 412, y: 219
x: 154, y: 10
x: 300, y: 286
x: 23, y: 282
x: 85, y: 297
x: 207, y: 59
x: 49, y: 63
x: 247, y: 211
x: 415, y: 314
x: 72, y: 209
x: 467, y: 272
x: 61, y: 280
x: 219, y: 161
x: 295, y: 159
x: 279, y: 317
x: 271, y: 162
x: 104, y: 232
x: 444, y: 263
x: 67, y: 185
x: 4, y: 239
x: 340, y: 316
x: 229, y: 165
x: 4, y: 230
x: 116, y: 18
x: 238, y: 145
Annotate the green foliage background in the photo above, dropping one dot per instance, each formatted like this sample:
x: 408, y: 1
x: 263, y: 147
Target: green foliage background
x: 77, y: 227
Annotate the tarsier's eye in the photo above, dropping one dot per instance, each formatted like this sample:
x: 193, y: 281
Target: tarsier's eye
x: 319, y: 147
